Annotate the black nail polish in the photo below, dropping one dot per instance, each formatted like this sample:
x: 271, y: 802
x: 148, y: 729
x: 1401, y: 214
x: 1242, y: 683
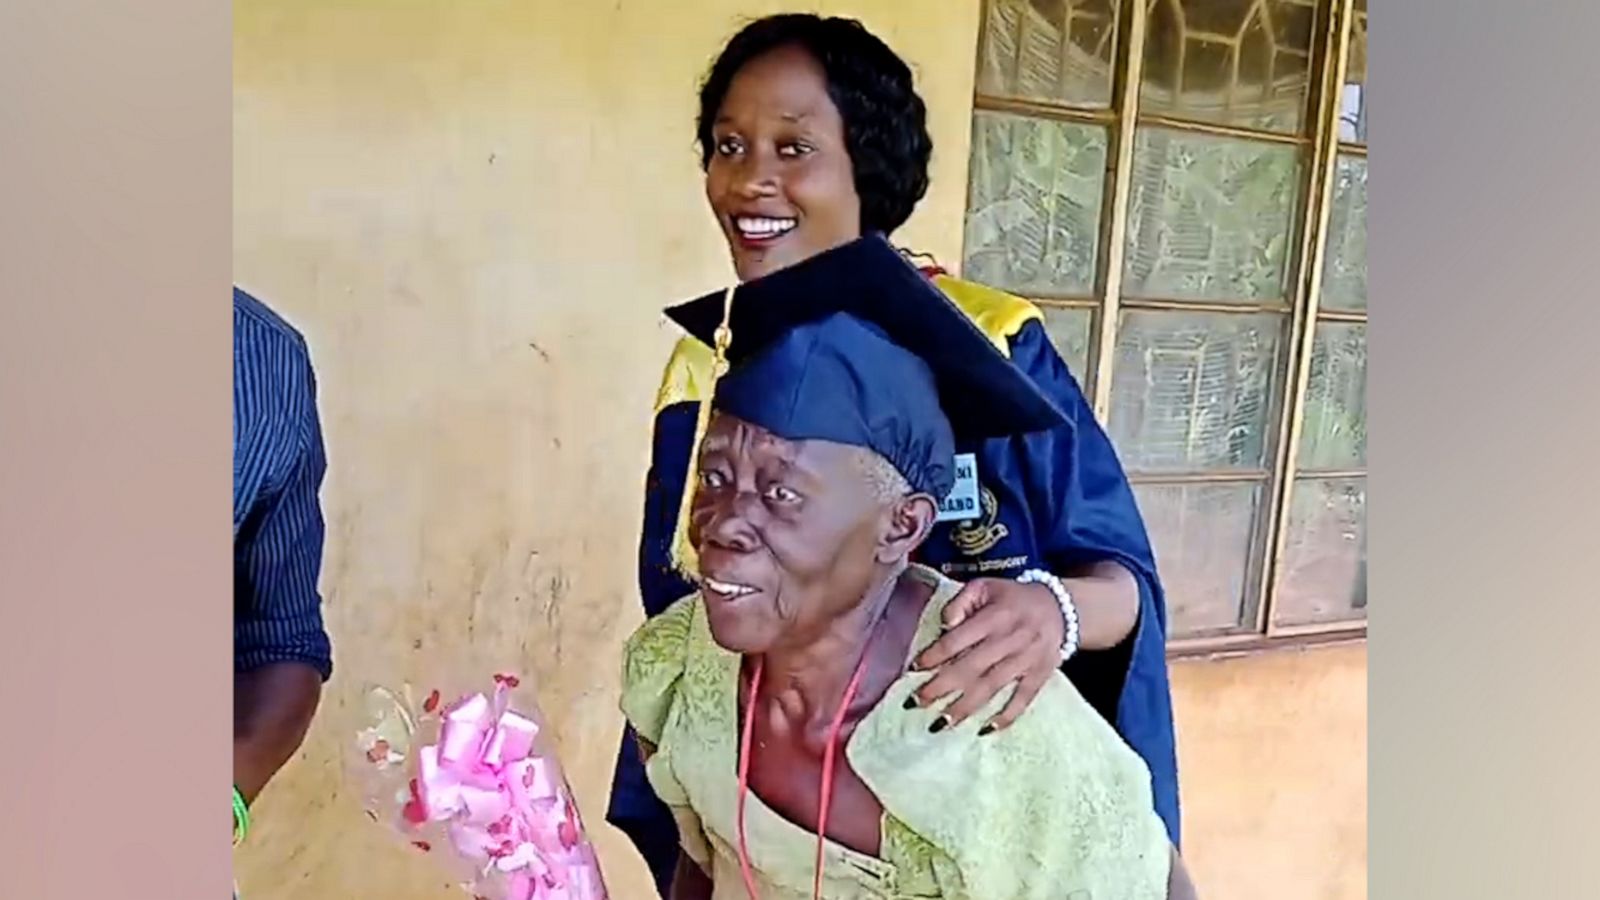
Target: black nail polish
x: 911, y: 702
x: 985, y: 731
x: 939, y: 724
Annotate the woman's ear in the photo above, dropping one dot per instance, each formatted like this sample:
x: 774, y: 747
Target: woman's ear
x: 911, y: 519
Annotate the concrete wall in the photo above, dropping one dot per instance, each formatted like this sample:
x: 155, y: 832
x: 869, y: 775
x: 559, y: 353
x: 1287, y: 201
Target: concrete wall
x: 1273, y: 765
x: 474, y: 209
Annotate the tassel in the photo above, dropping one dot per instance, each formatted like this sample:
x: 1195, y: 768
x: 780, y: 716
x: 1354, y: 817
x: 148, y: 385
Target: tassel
x: 684, y: 558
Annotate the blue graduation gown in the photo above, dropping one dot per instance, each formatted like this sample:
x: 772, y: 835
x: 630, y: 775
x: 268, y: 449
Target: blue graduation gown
x: 1054, y: 500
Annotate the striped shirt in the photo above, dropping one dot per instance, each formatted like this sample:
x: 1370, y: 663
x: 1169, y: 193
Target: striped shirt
x: 278, y: 465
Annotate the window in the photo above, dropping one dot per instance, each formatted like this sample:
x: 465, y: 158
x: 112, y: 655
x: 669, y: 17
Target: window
x: 1181, y: 185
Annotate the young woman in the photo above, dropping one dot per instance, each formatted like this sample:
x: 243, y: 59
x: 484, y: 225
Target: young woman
x: 812, y: 135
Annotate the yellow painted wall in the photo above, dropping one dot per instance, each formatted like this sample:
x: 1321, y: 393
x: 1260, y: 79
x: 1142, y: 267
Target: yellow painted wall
x: 474, y: 209
x: 1272, y: 754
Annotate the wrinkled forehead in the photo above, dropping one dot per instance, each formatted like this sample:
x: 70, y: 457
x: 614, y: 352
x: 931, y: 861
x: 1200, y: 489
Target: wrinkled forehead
x: 824, y: 460
x: 730, y: 436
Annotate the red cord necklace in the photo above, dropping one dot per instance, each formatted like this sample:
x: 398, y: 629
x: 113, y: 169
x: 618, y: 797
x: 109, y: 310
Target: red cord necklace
x: 825, y: 795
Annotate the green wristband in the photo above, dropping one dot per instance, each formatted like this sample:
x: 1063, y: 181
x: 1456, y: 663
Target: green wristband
x: 241, y: 818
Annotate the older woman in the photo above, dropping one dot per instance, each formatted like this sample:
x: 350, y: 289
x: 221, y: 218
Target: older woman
x: 775, y: 705
x: 812, y: 135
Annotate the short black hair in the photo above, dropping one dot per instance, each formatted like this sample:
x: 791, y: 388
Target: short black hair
x: 885, y: 121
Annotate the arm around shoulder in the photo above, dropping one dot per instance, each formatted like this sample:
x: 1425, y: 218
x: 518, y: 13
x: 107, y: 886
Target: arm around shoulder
x: 1054, y: 804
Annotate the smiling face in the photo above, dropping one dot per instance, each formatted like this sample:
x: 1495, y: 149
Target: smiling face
x: 791, y: 535
x: 779, y: 179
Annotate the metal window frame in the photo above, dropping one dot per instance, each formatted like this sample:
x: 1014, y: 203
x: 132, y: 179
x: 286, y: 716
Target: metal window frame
x: 1322, y: 149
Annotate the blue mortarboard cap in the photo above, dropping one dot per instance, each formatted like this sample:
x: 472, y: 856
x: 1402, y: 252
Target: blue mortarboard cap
x: 843, y: 380
x: 857, y: 347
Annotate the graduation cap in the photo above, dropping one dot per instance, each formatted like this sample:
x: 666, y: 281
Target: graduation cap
x: 857, y: 347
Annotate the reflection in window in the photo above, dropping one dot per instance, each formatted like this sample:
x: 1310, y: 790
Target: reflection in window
x: 1333, y: 433
x: 1209, y: 271
x: 1243, y: 63
x: 1202, y: 535
x: 1209, y: 218
x: 1033, y: 204
x: 1324, y: 576
x: 1344, y: 268
x: 1055, y: 51
x: 1194, y: 392
x: 1353, y: 99
x: 1068, y: 330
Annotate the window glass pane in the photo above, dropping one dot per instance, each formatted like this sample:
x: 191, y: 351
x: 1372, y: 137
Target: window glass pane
x: 1056, y: 51
x: 1194, y: 391
x: 1244, y: 63
x: 1353, y: 102
x: 1209, y: 218
x: 1069, y: 332
x: 1202, y: 535
x: 1324, y: 575
x: 1033, y: 204
x: 1333, y: 433
x: 1344, y: 268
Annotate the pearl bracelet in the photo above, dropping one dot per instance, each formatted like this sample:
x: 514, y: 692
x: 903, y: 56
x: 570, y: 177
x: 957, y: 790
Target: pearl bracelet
x: 1069, y: 610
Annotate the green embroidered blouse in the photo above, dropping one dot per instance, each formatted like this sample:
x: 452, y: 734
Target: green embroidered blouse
x: 1056, y: 807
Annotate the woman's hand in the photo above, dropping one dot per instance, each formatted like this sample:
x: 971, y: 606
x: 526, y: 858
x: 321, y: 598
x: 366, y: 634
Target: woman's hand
x: 1004, y: 631
x: 1000, y: 632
